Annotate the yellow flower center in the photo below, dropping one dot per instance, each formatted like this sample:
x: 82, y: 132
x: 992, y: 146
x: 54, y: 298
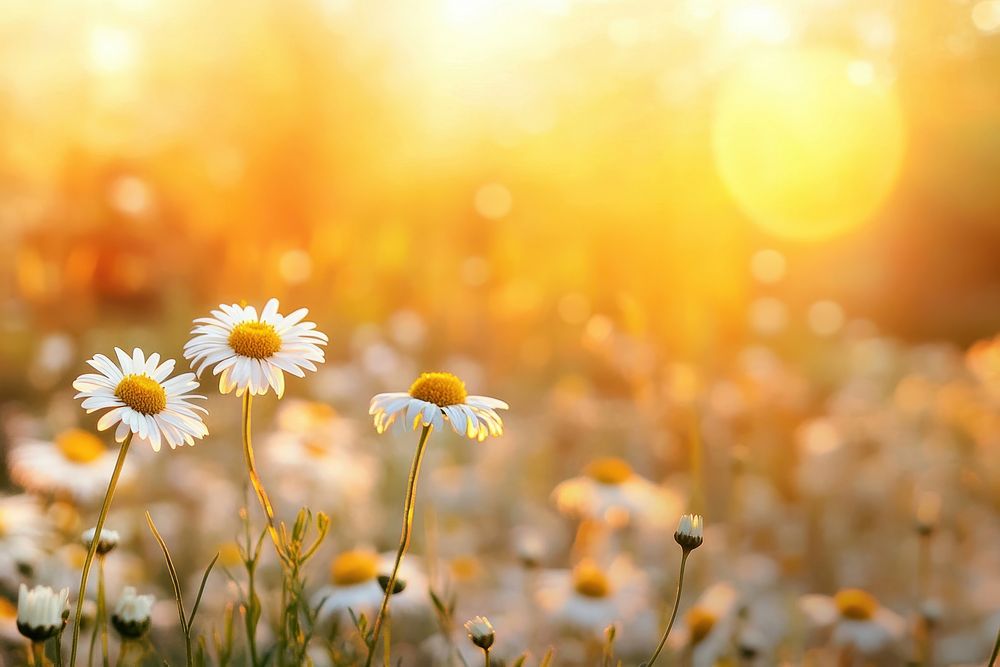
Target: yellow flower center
x: 315, y: 448
x: 610, y: 470
x: 78, y: 446
x: 7, y: 609
x: 465, y: 568
x: 142, y: 393
x: 257, y: 340
x: 229, y: 554
x: 354, y: 567
x: 441, y: 389
x: 855, y: 604
x: 590, y: 581
x: 700, y: 622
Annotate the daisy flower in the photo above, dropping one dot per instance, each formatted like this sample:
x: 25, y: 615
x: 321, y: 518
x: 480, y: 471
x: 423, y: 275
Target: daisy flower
x: 40, y: 612
x: 251, y: 352
x: 24, y: 533
x: 856, y: 618
x: 354, y: 585
x: 141, y: 400
x: 589, y: 598
x: 434, y: 398
x: 610, y: 491
x: 709, y: 626
x: 75, y: 464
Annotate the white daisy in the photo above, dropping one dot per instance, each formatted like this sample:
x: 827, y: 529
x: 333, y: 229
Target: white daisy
x: 354, y: 585
x: 590, y: 598
x: 142, y: 400
x: 708, y: 627
x: 25, y: 533
x: 40, y: 611
x: 856, y: 618
x: 131, y: 617
x: 610, y: 491
x: 75, y: 464
x: 253, y: 353
x: 434, y: 398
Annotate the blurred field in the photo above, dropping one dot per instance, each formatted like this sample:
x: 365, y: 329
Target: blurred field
x: 746, y: 246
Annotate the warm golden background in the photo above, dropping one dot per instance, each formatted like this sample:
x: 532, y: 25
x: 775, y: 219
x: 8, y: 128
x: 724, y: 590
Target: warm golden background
x: 782, y: 217
x: 504, y: 169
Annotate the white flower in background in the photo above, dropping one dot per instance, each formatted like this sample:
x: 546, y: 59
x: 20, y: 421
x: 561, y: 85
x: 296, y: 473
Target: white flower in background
x: 708, y: 628
x: 40, y: 611
x: 141, y: 400
x: 590, y: 598
x: 25, y: 532
x: 108, y: 541
x: 610, y: 491
x: 354, y: 585
x: 434, y: 398
x: 251, y: 353
x: 75, y: 464
x: 856, y: 618
x: 131, y: 617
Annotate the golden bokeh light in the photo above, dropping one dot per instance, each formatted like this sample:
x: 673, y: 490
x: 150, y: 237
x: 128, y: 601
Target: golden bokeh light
x: 809, y: 143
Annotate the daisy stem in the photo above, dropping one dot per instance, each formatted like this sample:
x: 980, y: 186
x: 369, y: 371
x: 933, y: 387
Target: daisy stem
x: 673, y: 614
x: 38, y: 653
x: 486, y: 657
x: 102, y: 611
x: 404, y: 540
x: 119, y: 464
x: 996, y: 650
x: 255, y: 481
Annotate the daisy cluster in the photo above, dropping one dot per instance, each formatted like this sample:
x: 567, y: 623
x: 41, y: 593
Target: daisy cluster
x: 769, y: 512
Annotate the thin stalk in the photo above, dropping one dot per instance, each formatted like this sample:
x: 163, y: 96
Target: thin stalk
x: 102, y: 610
x: 486, y: 657
x: 673, y: 614
x: 996, y: 650
x: 255, y: 480
x: 119, y: 464
x: 404, y: 540
x: 38, y: 653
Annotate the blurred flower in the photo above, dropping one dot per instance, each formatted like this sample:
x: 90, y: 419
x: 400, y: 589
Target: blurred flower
x: 24, y: 532
x: 40, y: 612
x: 75, y: 464
x: 609, y: 490
x: 250, y: 352
x: 141, y: 399
x: 8, y: 621
x: 354, y: 584
x: 857, y: 619
x: 590, y: 598
x: 435, y: 397
x: 131, y: 617
x: 707, y: 627
x: 107, y: 542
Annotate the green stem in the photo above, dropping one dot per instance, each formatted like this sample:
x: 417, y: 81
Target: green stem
x: 404, y: 540
x: 102, y: 609
x: 996, y: 650
x: 255, y: 480
x: 38, y: 653
x: 486, y: 657
x: 119, y: 464
x: 673, y: 614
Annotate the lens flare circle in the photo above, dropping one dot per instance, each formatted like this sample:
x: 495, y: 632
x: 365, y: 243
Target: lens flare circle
x: 808, y: 151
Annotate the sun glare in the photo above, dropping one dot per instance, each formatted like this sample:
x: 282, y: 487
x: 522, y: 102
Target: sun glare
x: 809, y: 143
